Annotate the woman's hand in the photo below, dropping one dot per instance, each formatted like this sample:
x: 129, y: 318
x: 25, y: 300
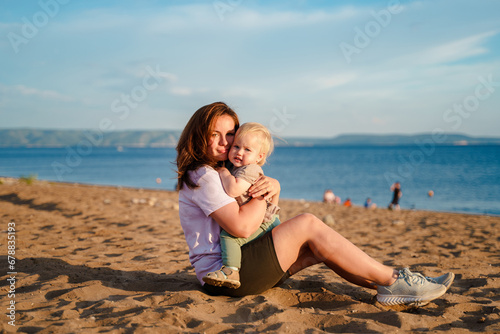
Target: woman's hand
x: 265, y: 186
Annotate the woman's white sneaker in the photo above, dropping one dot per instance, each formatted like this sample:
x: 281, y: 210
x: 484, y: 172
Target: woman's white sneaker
x: 410, y: 288
x: 445, y: 279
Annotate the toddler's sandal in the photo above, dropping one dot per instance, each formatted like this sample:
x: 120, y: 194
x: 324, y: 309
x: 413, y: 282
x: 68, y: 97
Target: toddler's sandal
x: 223, y: 277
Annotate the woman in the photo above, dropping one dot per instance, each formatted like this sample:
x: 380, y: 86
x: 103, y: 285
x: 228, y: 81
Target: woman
x: 204, y: 208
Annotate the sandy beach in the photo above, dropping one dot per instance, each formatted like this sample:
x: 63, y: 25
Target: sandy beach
x: 95, y: 259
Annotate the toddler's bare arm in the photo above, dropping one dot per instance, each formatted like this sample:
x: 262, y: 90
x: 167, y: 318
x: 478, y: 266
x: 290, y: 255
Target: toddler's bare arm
x: 233, y: 186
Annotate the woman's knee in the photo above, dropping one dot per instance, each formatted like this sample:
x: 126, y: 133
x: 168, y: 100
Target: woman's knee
x: 305, y: 225
x: 309, y: 222
x: 311, y: 219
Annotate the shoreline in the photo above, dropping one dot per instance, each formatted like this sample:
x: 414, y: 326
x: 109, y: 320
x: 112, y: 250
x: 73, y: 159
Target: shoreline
x: 11, y: 180
x: 103, y: 258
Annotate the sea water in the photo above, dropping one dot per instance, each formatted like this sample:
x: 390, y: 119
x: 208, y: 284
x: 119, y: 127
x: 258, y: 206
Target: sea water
x: 463, y: 178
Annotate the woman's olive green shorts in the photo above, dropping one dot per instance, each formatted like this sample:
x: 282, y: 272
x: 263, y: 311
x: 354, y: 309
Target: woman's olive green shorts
x: 260, y: 269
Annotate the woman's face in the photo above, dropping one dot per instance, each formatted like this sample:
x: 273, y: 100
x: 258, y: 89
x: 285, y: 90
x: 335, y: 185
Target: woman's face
x: 222, y: 137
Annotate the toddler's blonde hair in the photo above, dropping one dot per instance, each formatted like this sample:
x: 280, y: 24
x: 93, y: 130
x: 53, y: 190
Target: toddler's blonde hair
x: 266, y: 143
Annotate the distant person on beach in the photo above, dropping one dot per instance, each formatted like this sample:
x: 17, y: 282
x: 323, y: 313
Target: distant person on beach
x: 251, y: 147
x: 338, y: 200
x: 348, y: 203
x: 298, y: 243
x: 329, y: 197
x: 397, y: 193
x: 369, y: 204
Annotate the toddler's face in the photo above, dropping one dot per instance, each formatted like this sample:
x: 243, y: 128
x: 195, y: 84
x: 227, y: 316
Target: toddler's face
x: 245, y: 150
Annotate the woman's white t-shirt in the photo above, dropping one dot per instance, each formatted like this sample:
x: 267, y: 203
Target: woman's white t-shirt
x: 200, y: 230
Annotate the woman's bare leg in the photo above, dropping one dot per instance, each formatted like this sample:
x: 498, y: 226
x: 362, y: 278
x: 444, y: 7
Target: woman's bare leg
x: 307, y: 259
x: 305, y: 240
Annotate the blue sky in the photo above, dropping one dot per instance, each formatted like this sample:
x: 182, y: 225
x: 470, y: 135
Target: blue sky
x: 303, y: 68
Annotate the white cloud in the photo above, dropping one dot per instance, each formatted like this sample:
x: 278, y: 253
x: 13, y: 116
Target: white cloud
x: 40, y: 93
x: 181, y: 91
x: 96, y: 21
x: 246, y: 18
x: 149, y: 70
x: 242, y: 92
x: 187, y: 18
x: 335, y: 80
x: 455, y: 50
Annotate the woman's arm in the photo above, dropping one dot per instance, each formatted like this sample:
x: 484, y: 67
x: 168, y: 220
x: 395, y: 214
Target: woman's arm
x: 241, y: 221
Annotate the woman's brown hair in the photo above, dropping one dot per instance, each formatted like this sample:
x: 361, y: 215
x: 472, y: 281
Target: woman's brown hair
x: 192, y: 148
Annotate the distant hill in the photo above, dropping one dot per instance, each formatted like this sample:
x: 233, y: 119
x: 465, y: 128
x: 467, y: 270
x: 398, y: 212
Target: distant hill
x: 61, y: 138
x: 169, y: 138
x: 393, y: 139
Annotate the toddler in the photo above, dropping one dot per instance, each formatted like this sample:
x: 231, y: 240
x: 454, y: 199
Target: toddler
x: 252, y: 145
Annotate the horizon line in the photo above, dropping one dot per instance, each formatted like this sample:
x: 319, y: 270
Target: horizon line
x: 288, y: 136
